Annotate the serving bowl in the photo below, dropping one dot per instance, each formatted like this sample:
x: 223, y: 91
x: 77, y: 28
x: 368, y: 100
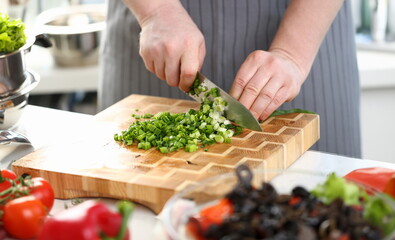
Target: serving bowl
x: 75, y: 32
x: 207, y: 193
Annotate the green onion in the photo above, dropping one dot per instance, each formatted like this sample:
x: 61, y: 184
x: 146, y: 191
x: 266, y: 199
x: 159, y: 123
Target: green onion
x: 191, y: 148
x: 190, y: 130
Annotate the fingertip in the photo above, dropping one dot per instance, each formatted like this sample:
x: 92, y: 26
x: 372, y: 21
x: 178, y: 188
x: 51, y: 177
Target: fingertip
x: 263, y: 116
x: 235, y: 93
x: 255, y: 114
x: 186, y: 81
x: 172, y: 82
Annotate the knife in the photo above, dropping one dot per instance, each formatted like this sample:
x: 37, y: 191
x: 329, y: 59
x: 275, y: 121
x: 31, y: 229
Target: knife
x: 235, y: 111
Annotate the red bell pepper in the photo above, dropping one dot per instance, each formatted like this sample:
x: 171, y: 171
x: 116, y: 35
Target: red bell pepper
x: 90, y: 220
x: 378, y: 178
x: 214, y: 214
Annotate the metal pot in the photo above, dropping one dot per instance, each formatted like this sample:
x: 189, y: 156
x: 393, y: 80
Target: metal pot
x: 13, y: 68
x: 75, y: 32
x: 12, y: 106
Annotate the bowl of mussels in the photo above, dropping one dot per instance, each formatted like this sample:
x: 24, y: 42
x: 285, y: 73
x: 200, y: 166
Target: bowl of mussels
x: 274, y: 204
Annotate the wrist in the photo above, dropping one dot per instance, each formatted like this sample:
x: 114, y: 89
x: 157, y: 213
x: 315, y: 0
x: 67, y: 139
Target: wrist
x: 302, y: 67
x: 144, y: 10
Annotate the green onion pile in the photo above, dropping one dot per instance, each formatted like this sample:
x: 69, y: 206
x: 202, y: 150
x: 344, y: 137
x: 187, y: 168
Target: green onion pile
x: 190, y: 130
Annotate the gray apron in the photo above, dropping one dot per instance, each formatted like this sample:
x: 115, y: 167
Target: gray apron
x: 232, y: 30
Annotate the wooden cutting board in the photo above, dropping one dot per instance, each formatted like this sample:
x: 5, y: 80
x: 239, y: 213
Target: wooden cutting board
x: 94, y: 165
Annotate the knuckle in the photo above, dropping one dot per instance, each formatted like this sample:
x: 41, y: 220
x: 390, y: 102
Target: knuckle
x: 278, y: 100
x: 267, y: 95
x: 240, y: 82
x: 188, y: 73
x: 143, y: 52
x: 157, y: 50
x: 189, y: 42
x: 252, y: 89
x: 170, y: 48
x: 257, y: 55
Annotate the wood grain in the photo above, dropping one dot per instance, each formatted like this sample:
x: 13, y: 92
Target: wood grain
x: 94, y: 165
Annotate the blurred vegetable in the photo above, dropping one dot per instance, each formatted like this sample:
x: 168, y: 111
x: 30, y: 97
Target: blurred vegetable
x: 23, y: 217
x: 380, y: 179
x: 24, y: 204
x: 338, y: 187
x: 377, y: 211
x: 6, y: 179
x: 12, y: 34
x: 214, y: 214
x: 249, y: 212
x: 43, y: 191
x: 37, y: 187
x: 90, y: 220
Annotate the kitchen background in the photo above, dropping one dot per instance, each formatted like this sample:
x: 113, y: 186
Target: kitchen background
x: 73, y: 88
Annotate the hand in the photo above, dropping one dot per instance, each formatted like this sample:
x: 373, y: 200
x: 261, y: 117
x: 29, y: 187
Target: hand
x: 266, y: 80
x: 172, y: 46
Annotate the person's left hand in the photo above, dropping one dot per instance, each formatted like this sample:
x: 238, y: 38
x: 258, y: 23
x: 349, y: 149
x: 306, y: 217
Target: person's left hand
x: 266, y: 80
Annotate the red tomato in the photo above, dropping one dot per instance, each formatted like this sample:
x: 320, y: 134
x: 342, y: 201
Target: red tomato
x: 43, y: 191
x: 6, y: 174
x: 5, y: 184
x: 23, y: 217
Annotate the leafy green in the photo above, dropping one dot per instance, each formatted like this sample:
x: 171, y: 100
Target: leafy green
x: 376, y: 209
x: 295, y: 110
x: 379, y: 213
x: 12, y: 34
x: 337, y: 187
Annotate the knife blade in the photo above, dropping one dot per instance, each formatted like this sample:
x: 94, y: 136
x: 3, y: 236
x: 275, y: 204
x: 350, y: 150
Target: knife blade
x: 235, y: 111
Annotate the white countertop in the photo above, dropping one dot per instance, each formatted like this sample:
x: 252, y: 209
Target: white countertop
x: 44, y: 126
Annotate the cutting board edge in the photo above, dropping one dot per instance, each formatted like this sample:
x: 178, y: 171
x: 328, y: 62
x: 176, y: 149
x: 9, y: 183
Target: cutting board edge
x: 133, y: 192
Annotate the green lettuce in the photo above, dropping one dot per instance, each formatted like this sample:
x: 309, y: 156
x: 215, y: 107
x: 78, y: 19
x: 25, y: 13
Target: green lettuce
x: 12, y: 34
x: 377, y: 209
x: 338, y: 187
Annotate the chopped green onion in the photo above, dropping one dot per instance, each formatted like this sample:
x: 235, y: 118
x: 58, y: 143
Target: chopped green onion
x: 191, y: 147
x: 163, y: 149
x: 189, y: 130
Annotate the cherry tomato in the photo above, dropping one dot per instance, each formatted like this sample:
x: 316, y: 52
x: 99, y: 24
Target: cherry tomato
x: 6, y: 174
x: 23, y: 217
x: 43, y: 191
x: 5, y: 184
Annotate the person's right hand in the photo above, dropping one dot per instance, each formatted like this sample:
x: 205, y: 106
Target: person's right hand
x: 172, y: 46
